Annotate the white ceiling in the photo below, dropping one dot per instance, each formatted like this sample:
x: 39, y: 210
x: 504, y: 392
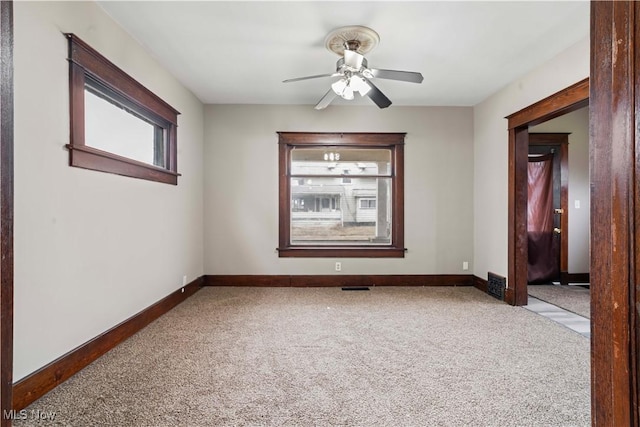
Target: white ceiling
x: 239, y: 52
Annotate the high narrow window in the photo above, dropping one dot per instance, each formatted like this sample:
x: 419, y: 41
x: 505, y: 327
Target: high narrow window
x: 117, y: 125
x: 341, y: 195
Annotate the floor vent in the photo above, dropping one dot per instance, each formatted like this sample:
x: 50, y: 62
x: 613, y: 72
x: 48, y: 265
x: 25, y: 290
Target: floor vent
x: 496, y: 286
x: 355, y: 288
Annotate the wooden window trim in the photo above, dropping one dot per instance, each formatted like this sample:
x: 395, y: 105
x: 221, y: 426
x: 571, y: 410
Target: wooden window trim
x: 394, y: 141
x: 85, y: 62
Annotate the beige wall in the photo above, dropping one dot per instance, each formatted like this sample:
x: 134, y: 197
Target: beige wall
x: 577, y: 123
x: 91, y: 249
x: 491, y: 150
x: 241, y: 186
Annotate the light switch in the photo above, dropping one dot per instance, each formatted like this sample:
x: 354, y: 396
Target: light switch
x: 577, y: 204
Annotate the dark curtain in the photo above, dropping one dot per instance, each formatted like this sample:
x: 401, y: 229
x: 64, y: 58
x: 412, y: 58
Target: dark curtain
x: 543, y: 244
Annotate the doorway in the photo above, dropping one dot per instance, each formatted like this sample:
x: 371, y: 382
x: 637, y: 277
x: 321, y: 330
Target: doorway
x: 571, y: 290
x: 568, y: 100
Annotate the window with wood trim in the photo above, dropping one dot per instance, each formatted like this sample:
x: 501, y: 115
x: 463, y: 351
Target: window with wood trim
x: 117, y: 125
x: 341, y: 194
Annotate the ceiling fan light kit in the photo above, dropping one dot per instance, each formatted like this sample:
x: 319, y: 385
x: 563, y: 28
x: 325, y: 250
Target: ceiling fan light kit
x: 351, y: 43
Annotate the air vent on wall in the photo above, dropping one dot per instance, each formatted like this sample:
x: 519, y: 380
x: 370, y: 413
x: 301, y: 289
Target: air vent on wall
x: 496, y: 286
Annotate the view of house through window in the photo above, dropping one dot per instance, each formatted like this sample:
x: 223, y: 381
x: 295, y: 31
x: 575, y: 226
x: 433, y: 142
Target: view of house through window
x: 334, y: 201
x: 341, y: 194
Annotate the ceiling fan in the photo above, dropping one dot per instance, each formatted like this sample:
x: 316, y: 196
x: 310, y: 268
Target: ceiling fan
x: 351, y: 43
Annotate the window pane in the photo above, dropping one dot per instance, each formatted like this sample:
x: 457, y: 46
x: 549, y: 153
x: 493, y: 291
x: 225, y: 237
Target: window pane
x: 340, y: 161
x: 111, y: 128
x: 324, y: 211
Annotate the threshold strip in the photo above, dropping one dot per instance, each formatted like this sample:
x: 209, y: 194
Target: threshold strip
x: 573, y: 321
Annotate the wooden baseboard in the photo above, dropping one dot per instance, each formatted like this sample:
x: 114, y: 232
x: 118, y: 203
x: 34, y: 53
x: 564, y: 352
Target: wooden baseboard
x: 37, y: 384
x: 566, y: 278
x: 510, y: 296
x: 340, y: 280
x: 480, y: 283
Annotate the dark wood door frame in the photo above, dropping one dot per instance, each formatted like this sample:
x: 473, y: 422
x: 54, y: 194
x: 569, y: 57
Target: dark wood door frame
x: 6, y: 210
x: 561, y: 142
x: 570, y: 99
x: 614, y: 121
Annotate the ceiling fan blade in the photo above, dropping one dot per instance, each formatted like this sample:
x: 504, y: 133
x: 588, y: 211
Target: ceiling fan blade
x: 353, y: 59
x: 404, y: 76
x: 311, y: 77
x: 377, y: 96
x: 326, y: 100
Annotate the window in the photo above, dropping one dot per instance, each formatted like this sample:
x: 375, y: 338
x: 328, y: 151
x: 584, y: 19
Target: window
x: 117, y: 125
x: 367, y: 203
x: 341, y: 194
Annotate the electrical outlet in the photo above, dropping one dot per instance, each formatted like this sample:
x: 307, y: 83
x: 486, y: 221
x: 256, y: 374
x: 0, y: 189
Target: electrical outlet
x: 465, y: 265
x: 184, y: 280
x: 338, y: 266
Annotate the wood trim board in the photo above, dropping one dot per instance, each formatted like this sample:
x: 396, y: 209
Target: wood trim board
x: 481, y: 284
x: 336, y: 280
x: 558, y: 104
x: 566, y: 278
x: 614, y: 118
x: 6, y: 208
x: 37, y: 384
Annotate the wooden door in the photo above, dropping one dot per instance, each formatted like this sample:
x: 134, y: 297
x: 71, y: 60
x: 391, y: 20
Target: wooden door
x: 543, y: 261
x: 557, y: 144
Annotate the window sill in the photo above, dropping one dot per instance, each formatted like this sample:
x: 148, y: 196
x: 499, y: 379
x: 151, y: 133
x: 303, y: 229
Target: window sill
x: 340, y: 252
x: 91, y: 158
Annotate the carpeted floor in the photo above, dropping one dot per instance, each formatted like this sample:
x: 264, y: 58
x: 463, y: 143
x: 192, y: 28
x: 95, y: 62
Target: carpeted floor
x: 573, y: 298
x: 434, y: 356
